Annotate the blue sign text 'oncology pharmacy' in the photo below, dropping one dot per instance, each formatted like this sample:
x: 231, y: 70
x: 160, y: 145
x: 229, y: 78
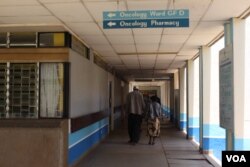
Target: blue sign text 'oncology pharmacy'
x: 147, y: 23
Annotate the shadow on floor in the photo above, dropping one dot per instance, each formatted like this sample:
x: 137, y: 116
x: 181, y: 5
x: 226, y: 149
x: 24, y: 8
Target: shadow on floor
x: 171, y: 150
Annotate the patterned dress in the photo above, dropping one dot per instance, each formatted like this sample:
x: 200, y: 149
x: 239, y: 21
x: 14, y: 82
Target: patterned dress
x: 154, y: 127
x: 154, y: 121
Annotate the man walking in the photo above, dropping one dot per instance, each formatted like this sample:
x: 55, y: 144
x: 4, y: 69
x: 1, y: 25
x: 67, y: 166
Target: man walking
x: 134, y: 107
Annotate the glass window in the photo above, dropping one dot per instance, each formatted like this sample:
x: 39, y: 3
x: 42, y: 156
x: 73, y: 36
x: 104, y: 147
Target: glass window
x: 3, y: 40
x: 79, y: 47
x: 3, y: 89
x: 23, y: 90
x: 52, y: 90
x: 51, y: 39
x: 98, y: 61
x: 22, y: 39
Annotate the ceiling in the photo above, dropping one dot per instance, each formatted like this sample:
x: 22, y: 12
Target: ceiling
x: 134, y: 53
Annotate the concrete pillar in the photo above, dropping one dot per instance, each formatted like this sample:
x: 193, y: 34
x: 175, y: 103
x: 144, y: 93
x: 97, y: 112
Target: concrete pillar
x: 201, y: 99
x: 172, y: 103
x: 166, y: 107
x: 162, y: 94
x: 237, y: 35
x: 183, y: 104
x: 164, y: 99
x: 176, y: 80
x: 176, y: 99
x: 228, y: 33
x: 246, y: 143
x: 193, y: 101
x: 111, y: 105
x: 211, y: 133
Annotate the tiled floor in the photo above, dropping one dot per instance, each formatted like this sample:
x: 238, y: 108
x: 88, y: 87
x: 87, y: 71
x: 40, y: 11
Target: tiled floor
x: 171, y: 150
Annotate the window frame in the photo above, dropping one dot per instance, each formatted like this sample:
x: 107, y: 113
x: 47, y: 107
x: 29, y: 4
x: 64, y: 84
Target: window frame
x: 65, y: 114
x: 67, y: 40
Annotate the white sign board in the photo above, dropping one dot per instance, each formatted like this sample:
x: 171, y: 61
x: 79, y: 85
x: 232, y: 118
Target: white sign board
x: 226, y: 88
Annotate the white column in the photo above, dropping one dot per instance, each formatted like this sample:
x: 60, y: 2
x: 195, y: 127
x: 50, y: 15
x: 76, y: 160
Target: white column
x: 177, y: 99
x: 167, y: 106
x: 237, y: 34
x: 212, y: 133
x: 172, y: 105
x: 193, y: 101
x: 176, y: 80
x: 241, y: 82
x: 183, y: 104
x: 163, y: 93
x: 247, y: 87
x: 163, y: 98
x: 111, y: 116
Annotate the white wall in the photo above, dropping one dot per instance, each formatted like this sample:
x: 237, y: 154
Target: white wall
x: 125, y: 92
x: 88, y: 86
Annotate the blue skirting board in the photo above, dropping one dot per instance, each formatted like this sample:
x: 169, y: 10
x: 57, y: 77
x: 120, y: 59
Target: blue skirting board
x: 84, y: 139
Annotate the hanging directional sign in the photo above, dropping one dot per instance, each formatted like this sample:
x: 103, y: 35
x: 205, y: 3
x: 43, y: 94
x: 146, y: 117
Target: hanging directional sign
x: 145, y: 14
x: 146, y: 19
x: 146, y: 23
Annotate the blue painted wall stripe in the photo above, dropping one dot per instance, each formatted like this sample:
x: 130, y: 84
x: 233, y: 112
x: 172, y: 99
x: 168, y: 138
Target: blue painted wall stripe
x: 194, y: 122
x: 242, y: 144
x: 214, y: 144
x: 194, y: 132
x: 80, y: 134
x: 85, y: 137
x: 214, y: 131
x: 81, y: 141
x: 183, y: 116
x: 214, y: 139
x: 83, y: 146
x: 183, y: 125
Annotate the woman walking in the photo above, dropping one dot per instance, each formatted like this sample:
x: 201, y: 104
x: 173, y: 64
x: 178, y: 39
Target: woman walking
x: 154, y: 121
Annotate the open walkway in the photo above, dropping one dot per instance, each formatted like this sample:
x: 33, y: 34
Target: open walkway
x: 171, y: 150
